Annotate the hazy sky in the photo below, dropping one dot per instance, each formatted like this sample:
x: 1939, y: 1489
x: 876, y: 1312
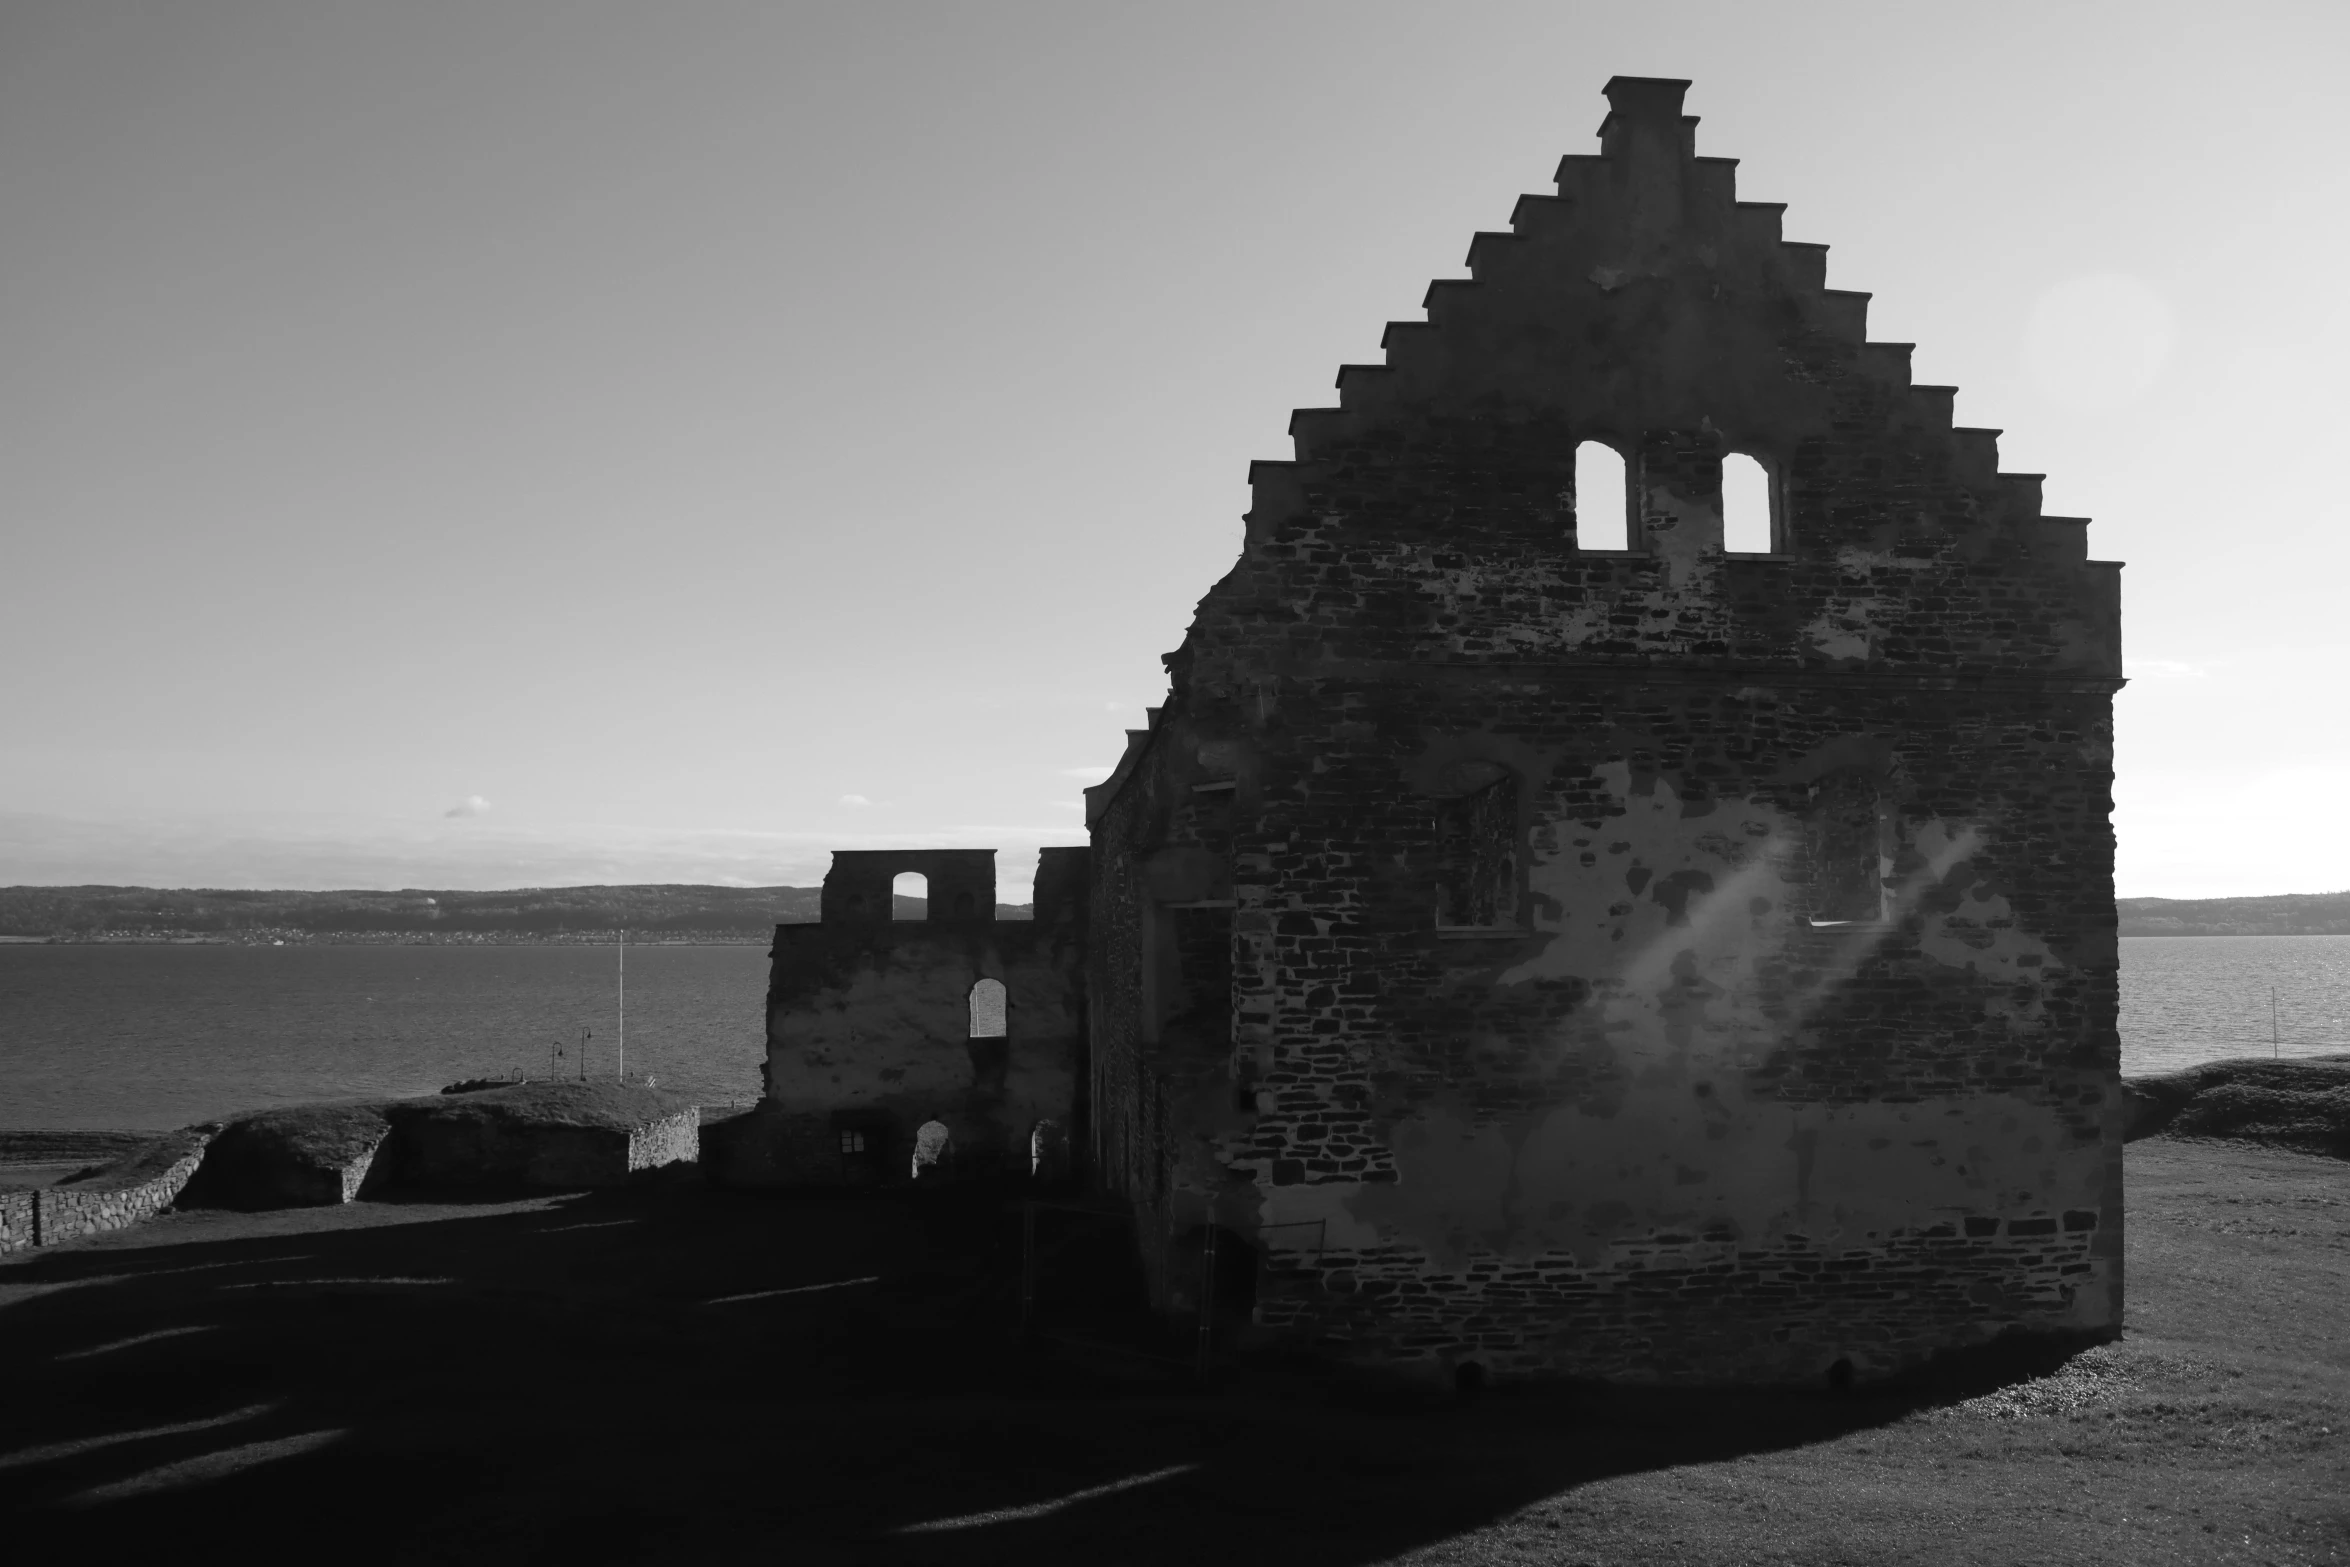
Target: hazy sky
x: 470, y: 444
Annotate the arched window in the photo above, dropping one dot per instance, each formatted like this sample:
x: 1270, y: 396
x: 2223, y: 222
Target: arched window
x: 1048, y: 1151
x: 1746, y: 506
x: 909, y: 896
x: 931, y: 1145
x: 1603, y: 499
x: 987, y: 1009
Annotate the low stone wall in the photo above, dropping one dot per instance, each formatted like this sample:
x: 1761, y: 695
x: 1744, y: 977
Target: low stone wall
x: 16, y: 1220
x: 356, y: 1176
x: 673, y: 1139
x: 130, y: 1193
x: 559, y: 1137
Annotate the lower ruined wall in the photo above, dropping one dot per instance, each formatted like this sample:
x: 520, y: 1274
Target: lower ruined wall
x: 1697, y: 1240
x: 771, y: 1146
x: 1694, y: 1311
x: 1664, y: 1125
x: 869, y: 1033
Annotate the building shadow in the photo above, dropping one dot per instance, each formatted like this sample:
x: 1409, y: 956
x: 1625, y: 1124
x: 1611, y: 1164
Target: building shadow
x: 665, y: 1375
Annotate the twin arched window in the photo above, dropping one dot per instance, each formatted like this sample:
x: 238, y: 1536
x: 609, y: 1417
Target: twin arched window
x: 1605, y: 509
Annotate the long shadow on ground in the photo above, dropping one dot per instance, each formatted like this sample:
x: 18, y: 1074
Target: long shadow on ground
x: 681, y: 1375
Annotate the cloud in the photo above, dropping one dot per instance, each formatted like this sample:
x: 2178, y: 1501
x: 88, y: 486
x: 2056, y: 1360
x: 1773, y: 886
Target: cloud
x: 2162, y: 669
x: 471, y: 805
x: 1097, y: 773
x: 854, y: 799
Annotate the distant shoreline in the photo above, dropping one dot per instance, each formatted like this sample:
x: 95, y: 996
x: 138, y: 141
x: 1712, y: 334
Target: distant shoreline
x: 697, y: 915
x: 672, y: 938
x: 650, y: 914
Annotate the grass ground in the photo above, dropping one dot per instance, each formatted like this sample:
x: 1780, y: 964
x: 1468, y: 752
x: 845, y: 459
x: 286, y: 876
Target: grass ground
x: 684, y: 1375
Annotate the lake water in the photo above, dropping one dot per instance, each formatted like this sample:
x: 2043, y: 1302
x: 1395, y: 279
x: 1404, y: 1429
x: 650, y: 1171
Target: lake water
x: 97, y: 1037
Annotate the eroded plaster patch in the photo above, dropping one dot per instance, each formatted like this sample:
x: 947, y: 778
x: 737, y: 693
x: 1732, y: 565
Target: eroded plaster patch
x: 1679, y: 927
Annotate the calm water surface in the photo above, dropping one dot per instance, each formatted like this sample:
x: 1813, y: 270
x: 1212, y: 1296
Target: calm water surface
x: 100, y: 1037
x: 159, y: 1036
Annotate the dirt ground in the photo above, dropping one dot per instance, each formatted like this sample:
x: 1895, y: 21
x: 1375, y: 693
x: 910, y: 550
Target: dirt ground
x: 682, y: 1375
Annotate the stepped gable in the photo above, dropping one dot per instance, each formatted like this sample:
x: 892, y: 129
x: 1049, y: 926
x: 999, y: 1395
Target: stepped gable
x: 1647, y: 307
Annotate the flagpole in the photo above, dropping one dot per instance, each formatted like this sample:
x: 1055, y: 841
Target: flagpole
x: 620, y: 944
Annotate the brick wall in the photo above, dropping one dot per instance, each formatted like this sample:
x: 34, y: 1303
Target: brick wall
x: 1655, y: 1120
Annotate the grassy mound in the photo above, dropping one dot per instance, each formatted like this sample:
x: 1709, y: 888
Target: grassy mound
x: 293, y: 1155
x: 298, y: 1154
x: 547, y: 1136
x: 324, y: 1136
x: 142, y: 1164
x: 2303, y: 1104
x: 610, y: 1106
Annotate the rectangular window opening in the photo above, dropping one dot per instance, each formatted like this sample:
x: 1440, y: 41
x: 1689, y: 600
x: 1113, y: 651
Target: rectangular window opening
x: 1477, y: 839
x: 1749, y: 512
x: 1848, y: 848
x: 1603, y: 498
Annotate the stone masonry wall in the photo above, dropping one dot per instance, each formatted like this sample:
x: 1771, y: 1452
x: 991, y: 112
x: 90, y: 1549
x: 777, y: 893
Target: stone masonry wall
x: 135, y: 1192
x: 16, y: 1220
x: 675, y: 1139
x: 1674, y: 1113
x: 870, y: 1030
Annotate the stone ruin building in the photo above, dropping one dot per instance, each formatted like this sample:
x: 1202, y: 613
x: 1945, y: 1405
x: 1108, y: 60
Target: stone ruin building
x: 1563, y: 921
x: 880, y: 1027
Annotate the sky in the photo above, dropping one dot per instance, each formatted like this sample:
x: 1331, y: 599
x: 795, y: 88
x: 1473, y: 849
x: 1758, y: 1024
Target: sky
x: 477, y: 443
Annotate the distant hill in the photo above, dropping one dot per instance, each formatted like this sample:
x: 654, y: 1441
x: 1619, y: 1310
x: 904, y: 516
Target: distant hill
x: 680, y: 912
x: 2289, y: 914
x: 527, y: 914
